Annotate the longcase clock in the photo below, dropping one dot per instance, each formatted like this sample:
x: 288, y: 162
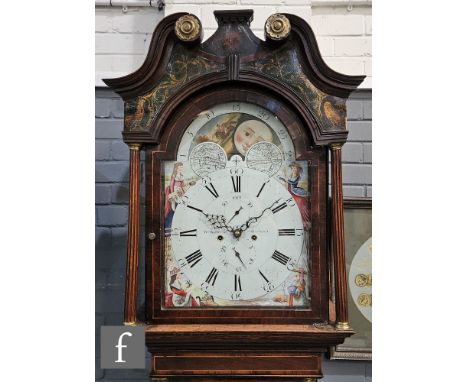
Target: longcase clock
x: 243, y: 252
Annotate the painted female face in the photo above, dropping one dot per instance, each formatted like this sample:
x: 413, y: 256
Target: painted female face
x: 179, y: 169
x: 249, y: 133
x: 294, y: 171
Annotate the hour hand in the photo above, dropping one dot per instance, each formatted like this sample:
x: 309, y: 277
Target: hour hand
x: 235, y: 214
x: 238, y: 256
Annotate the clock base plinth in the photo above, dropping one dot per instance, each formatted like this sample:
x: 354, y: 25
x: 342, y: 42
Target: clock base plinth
x: 263, y: 353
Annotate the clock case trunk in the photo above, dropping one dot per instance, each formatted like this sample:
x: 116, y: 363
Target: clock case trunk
x: 285, y: 74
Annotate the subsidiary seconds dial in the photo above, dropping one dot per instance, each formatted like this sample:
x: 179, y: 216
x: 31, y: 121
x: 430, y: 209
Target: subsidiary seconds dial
x: 238, y: 234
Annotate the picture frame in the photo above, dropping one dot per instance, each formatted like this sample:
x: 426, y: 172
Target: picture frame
x: 358, y: 235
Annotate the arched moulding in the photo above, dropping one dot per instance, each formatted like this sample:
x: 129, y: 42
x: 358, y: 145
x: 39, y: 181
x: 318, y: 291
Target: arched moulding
x: 147, y: 76
x: 175, y: 70
x: 172, y: 128
x: 257, y: 84
x: 327, y: 79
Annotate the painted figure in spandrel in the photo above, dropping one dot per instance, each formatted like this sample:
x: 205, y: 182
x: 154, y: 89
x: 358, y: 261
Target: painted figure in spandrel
x: 299, y: 194
x: 181, y: 290
x: 174, y: 192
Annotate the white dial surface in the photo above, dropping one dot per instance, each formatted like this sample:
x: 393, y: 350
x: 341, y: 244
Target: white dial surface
x: 238, y: 234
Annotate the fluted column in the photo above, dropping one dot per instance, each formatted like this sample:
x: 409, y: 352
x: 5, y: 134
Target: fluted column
x: 133, y: 238
x: 338, y: 246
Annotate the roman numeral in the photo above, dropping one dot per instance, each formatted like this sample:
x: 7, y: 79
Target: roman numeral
x: 192, y: 232
x: 212, y: 190
x: 279, y: 257
x: 211, y: 279
x: 194, y: 208
x: 261, y: 274
x: 237, y: 283
x: 236, y: 183
x: 194, y: 258
x: 279, y: 208
x: 261, y: 189
x: 287, y: 232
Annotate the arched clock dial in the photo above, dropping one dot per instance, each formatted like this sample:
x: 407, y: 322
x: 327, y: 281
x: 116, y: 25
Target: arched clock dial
x: 238, y: 234
x: 236, y: 127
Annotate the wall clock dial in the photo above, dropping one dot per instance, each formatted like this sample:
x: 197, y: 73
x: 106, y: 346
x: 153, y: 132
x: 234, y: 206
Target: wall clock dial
x: 240, y: 241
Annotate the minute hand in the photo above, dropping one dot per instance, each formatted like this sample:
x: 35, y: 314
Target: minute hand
x: 255, y: 218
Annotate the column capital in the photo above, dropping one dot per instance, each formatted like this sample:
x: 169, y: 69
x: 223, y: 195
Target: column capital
x: 335, y: 146
x: 134, y: 146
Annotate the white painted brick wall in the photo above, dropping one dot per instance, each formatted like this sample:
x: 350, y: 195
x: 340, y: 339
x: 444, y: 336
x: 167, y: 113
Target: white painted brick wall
x: 122, y: 39
x: 343, y: 29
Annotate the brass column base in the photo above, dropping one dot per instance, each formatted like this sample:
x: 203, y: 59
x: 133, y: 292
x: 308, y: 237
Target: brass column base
x: 342, y: 326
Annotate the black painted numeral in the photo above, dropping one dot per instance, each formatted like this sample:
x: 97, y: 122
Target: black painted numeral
x: 194, y: 208
x: 279, y: 208
x: 264, y: 277
x: 211, y: 279
x: 261, y: 189
x: 192, y: 232
x: 287, y: 231
x: 212, y: 190
x: 237, y: 283
x: 279, y: 257
x: 236, y: 183
x: 194, y: 258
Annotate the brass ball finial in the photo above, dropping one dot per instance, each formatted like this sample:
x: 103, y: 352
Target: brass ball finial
x: 277, y: 27
x: 188, y: 28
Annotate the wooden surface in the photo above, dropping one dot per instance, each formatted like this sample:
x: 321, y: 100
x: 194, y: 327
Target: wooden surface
x: 338, y: 245
x: 238, y: 364
x: 234, y: 55
x: 131, y: 279
x: 256, y: 352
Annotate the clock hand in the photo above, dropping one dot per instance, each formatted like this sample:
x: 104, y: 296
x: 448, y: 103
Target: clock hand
x: 218, y: 221
x: 235, y: 214
x: 238, y: 256
x: 255, y: 218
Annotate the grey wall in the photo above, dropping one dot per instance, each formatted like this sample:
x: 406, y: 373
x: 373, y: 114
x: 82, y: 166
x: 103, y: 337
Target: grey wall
x: 111, y: 220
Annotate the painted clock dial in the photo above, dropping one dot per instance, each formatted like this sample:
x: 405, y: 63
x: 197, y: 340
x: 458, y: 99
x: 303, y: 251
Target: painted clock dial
x: 237, y: 213
x: 238, y: 234
x: 236, y: 127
